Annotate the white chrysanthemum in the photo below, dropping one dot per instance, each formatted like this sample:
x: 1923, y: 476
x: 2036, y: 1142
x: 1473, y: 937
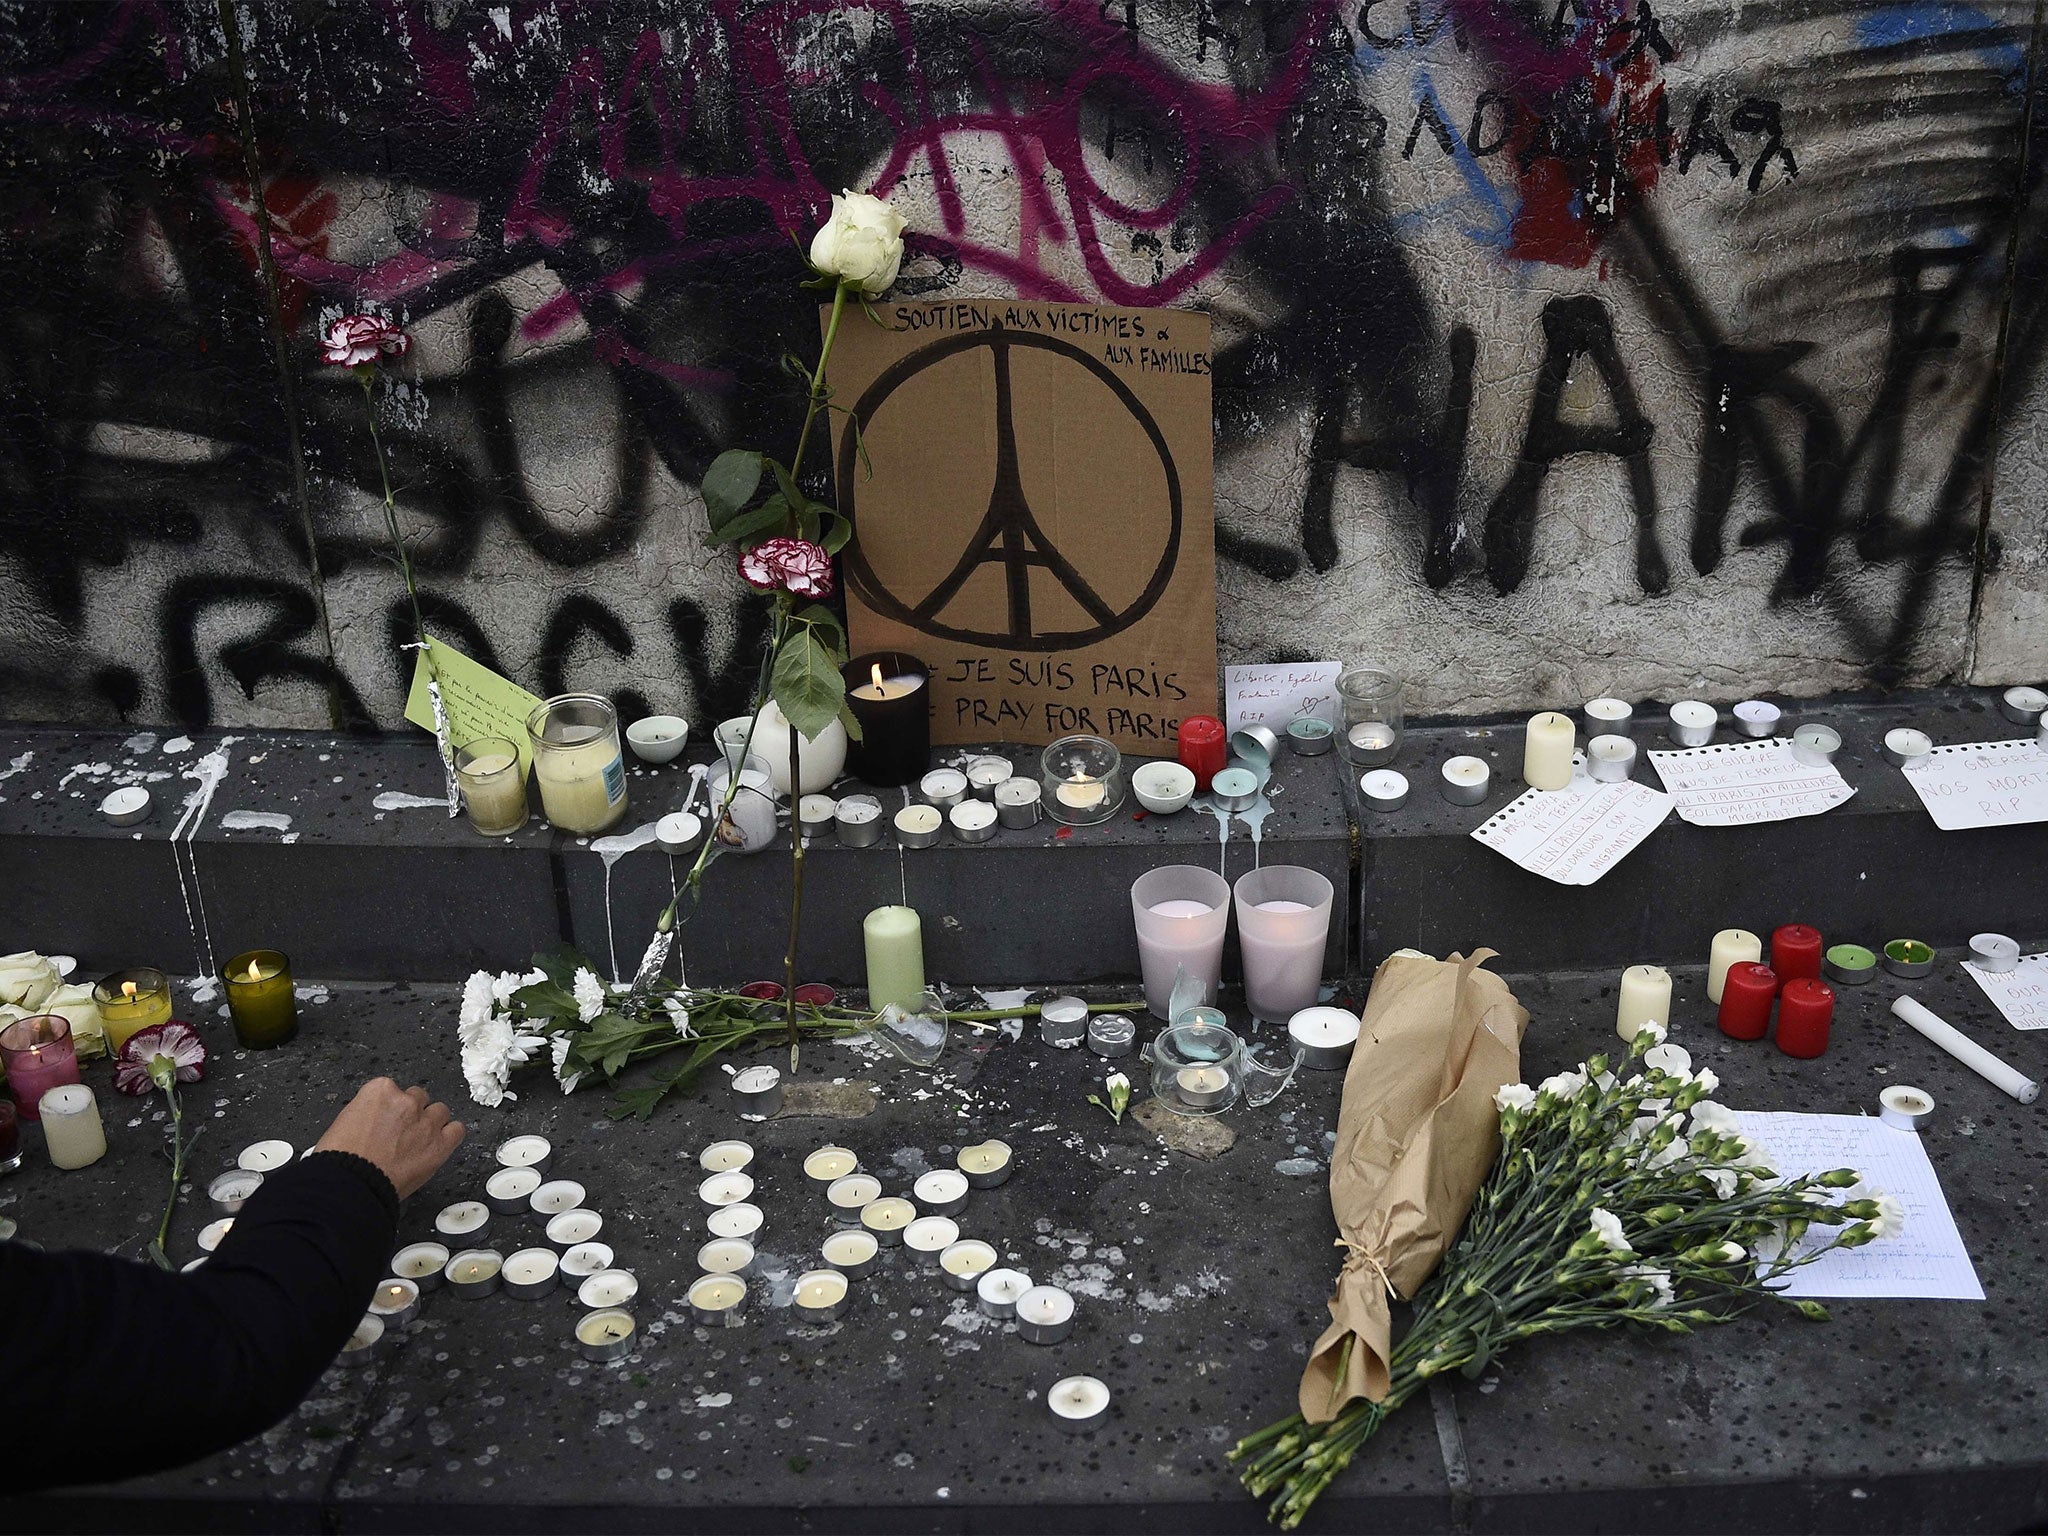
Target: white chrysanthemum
x: 559, y: 1048
x: 489, y: 1056
x: 476, y: 1006
x: 1660, y: 1283
x: 680, y: 1015
x: 1514, y: 1096
x: 1675, y: 1059
x: 509, y: 982
x: 1563, y: 1086
x: 1606, y: 1226
x: 590, y: 995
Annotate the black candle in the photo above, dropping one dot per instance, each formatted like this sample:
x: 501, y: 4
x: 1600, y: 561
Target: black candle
x: 888, y: 694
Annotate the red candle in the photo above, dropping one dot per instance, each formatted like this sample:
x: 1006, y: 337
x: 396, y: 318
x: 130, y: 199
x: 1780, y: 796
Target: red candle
x: 1795, y: 952
x: 1747, y: 993
x: 1805, y: 1009
x: 1202, y: 748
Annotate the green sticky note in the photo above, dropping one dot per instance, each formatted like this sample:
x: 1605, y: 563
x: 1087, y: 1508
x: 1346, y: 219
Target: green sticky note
x: 479, y: 702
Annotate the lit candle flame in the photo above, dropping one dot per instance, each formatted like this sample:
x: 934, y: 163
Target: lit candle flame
x: 877, y: 676
x: 128, y: 991
x: 256, y: 975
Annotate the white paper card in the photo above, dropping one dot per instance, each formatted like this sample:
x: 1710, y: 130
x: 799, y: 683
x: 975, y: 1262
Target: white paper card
x: 2021, y: 993
x: 1926, y: 1259
x: 1741, y: 783
x: 1983, y: 784
x: 1276, y: 696
x: 1575, y: 835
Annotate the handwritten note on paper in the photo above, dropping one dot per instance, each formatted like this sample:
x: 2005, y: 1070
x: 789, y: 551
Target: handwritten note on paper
x: 1740, y: 783
x: 1983, y: 784
x: 1575, y: 835
x: 1927, y: 1259
x: 2021, y: 993
x: 480, y: 703
x: 1276, y: 696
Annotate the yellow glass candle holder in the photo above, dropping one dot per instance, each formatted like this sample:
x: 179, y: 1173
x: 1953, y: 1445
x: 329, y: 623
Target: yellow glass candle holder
x: 493, y: 788
x: 131, y: 1000
x: 260, y: 999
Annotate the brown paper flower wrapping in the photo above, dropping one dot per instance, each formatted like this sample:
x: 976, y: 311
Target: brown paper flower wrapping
x: 1416, y: 1135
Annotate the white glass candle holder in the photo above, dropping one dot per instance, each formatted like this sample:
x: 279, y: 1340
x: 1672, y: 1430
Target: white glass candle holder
x: 1082, y: 780
x: 1181, y: 913
x: 493, y: 788
x: 1371, y: 716
x: 1283, y: 928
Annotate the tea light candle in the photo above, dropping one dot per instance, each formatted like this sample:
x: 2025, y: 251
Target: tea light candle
x: 973, y: 821
x: 725, y: 1157
x: 1310, y: 736
x: 943, y: 787
x: 421, y: 1263
x: 230, y: 1191
x: 930, y: 1236
x: 508, y: 1190
x: 574, y: 1227
x: 397, y: 1302
x: 1080, y: 1403
x: 725, y: 1189
x: 260, y: 999
x: 605, y: 1336
x: 1372, y: 741
x: 1816, y: 745
x: 817, y: 814
x: 679, y: 833
x: 1691, y: 723
x: 1019, y: 802
x: 1063, y: 1021
x: 1611, y: 759
x: 996, y: 1292
x: 744, y: 1220
x: 1045, y: 1315
x: 917, y: 826
x: 264, y: 1156
x: 532, y: 1273
x: 827, y: 1164
x: 1324, y: 1037
x: 1908, y: 957
x: 759, y: 1090
x: 1202, y: 1087
x: 556, y: 1196
x: 126, y: 805
x: 1111, y: 1035
x: 610, y: 1288
x: 943, y: 1192
x: 363, y: 1345
x: 887, y: 1218
x: 1905, y: 747
x: 475, y: 1273
x: 534, y: 1152
x: 986, y: 774
x: 859, y: 821
x: 1848, y: 965
x: 1795, y: 951
x: 1731, y: 946
x: 1608, y: 717
x: 1465, y: 780
x: 72, y: 1133
x: 852, y: 1253
x: 1384, y: 790
x: 849, y: 1196
x: 465, y: 1218
x: 820, y: 1296
x: 963, y: 1264
x: 1547, y: 751
x: 2023, y: 706
x: 1754, y: 717
x: 1994, y: 953
x: 1645, y: 999
x: 582, y: 1260
x: 1904, y: 1107
x: 717, y: 1300
x: 1234, y: 789
x: 1748, y: 993
x: 1805, y: 1009
x: 1080, y: 793
x: 986, y: 1164
x: 726, y: 1256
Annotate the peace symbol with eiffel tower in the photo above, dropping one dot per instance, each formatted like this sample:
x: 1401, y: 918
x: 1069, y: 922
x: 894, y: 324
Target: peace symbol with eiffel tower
x: 1009, y: 535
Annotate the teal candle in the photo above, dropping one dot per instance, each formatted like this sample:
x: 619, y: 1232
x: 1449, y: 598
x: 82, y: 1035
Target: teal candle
x: 895, y: 948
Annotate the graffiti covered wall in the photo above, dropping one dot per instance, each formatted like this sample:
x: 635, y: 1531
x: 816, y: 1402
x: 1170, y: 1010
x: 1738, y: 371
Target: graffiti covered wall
x: 1637, y: 346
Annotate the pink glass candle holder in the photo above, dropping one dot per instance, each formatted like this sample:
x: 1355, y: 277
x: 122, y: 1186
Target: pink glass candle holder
x: 39, y: 1056
x: 1181, y: 912
x: 1283, y: 923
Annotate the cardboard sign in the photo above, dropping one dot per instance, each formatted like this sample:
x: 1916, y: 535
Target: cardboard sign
x: 1039, y: 525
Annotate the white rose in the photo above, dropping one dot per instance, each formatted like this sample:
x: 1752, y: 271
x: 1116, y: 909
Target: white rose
x: 74, y: 1004
x: 26, y: 978
x: 1514, y: 1096
x: 861, y: 242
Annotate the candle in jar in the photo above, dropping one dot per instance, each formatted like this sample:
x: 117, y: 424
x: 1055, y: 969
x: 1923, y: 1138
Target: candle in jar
x: 894, y: 940
x: 1796, y: 951
x: 1731, y: 946
x: 1806, y: 1008
x: 1080, y: 793
x: 1645, y: 999
x: 725, y: 1157
x: 1371, y: 737
x: 265, y: 1156
x: 582, y: 777
x: 39, y: 1056
x: 72, y: 1132
x: 1748, y: 992
x: 830, y: 1163
x: 1202, y: 1086
x: 131, y: 1000
x: 1547, y: 751
x: 493, y: 786
x: 879, y: 688
x: 260, y: 999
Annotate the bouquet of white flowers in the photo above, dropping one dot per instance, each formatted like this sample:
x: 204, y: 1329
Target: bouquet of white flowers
x: 1614, y: 1200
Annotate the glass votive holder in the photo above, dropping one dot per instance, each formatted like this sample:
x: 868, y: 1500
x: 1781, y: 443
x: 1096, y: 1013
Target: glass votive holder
x: 1083, y: 780
x: 493, y: 788
x: 1181, y: 913
x: 577, y: 762
x: 131, y: 1000
x: 1369, y: 735
x: 39, y: 1055
x: 260, y: 999
x: 1197, y: 1068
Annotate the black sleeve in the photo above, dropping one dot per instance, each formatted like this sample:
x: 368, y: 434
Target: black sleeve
x: 205, y: 1359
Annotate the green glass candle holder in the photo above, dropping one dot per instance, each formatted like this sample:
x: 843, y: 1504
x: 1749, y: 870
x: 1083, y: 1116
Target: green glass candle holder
x: 260, y: 999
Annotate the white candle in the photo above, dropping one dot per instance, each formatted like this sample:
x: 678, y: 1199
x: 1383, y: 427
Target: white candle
x: 532, y: 1266
x: 742, y: 1220
x: 72, y: 1133
x: 1280, y: 905
x: 1905, y: 744
x: 1547, y: 751
x: 984, y: 1163
x: 604, y: 1331
x: 586, y: 1259
x: 1692, y: 723
x: 265, y: 1156
x: 512, y: 1187
x: 1046, y: 1305
x: 557, y: 1196
x: 1967, y: 1051
x: 1183, y: 908
x: 473, y: 1268
x: 1384, y: 789
x: 1610, y: 759
x: 1757, y: 718
x: 230, y: 1191
x: 829, y: 1163
x: 850, y: 1251
x: 1079, y: 1402
x: 887, y: 1218
x: 211, y: 1234
x: 726, y: 1256
x: 984, y: 774
x: 1323, y: 1037
x: 1608, y: 717
x: 1816, y: 745
x: 608, y: 1288
x: 972, y: 816
x: 998, y: 1290
x: 818, y: 1290
x: 525, y: 1152
x: 880, y: 687
x: 931, y: 1236
x: 573, y: 1227
x: 1371, y: 736
x: 1645, y: 999
x: 465, y: 1218
x: 418, y: 1261
x: 395, y: 1301
x: 943, y: 786
x: 2024, y: 705
x: 857, y: 810
x: 919, y: 821
x: 1080, y: 793
x: 1465, y: 780
x: 725, y: 1189
x: 1202, y: 1086
x: 943, y: 1190
x: 968, y: 1259
x: 717, y: 1294
x: 816, y: 813
x: 725, y: 1156
x: 369, y: 1333
x: 1731, y: 946
x: 850, y: 1195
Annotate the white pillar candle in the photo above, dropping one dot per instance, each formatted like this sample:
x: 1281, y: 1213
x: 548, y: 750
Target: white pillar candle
x: 1465, y: 780
x: 998, y: 1289
x: 1692, y: 723
x: 1731, y: 946
x: 608, y: 1288
x: 421, y: 1262
x: 574, y: 1227
x: 1078, y: 1402
x: 1645, y: 999
x: 1547, y: 751
x: 72, y: 1133
x: 931, y: 1236
x: 887, y: 1218
x: 1967, y: 1051
x: 725, y: 1157
x: 726, y: 1256
x: 1608, y: 717
x: 525, y: 1152
x: 1611, y: 759
x: 742, y: 1220
x: 829, y: 1163
x: 584, y: 1259
x: 264, y: 1156
x: 557, y: 1196
x: 465, y: 1218
x: 725, y: 1189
